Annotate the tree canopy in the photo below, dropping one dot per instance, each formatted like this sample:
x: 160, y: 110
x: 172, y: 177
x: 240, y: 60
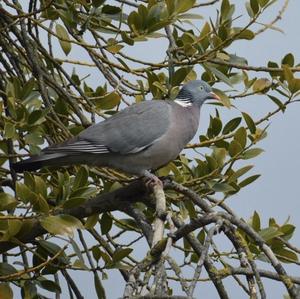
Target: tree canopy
x: 65, y: 65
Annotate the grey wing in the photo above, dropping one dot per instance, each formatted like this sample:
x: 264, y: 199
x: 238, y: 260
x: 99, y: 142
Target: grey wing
x: 129, y: 131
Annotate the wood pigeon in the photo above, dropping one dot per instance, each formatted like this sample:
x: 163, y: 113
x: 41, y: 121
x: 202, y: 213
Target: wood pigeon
x: 142, y: 137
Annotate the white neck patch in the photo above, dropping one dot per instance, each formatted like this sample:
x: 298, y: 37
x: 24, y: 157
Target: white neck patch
x: 183, y: 102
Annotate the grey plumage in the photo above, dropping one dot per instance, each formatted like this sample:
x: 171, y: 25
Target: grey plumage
x: 140, y: 138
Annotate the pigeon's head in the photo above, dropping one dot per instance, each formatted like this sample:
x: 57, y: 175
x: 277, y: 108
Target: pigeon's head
x: 195, y: 92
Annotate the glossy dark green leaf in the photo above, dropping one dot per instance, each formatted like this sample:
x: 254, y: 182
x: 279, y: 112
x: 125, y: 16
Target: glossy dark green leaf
x: 254, y: 5
x: 225, y: 7
x: 216, y: 126
x: 249, y: 121
x: 106, y: 223
x: 232, y: 125
x: 100, y: 291
x: 121, y: 253
x: 111, y: 10
x: 126, y: 39
x: 49, y: 285
x: 180, y: 75
x: 288, y: 59
x: 7, y: 269
x: 249, y: 180
x: 263, y: 3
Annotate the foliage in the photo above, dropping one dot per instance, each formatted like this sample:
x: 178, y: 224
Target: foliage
x: 57, y: 220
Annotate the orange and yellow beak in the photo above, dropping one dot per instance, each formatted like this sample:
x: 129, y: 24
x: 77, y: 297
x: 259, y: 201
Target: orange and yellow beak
x: 214, y: 96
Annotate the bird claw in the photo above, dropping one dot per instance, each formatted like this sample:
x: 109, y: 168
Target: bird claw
x: 152, y: 180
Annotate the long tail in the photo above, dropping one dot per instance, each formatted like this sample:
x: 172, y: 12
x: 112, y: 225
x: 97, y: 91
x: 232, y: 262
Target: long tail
x: 37, y: 162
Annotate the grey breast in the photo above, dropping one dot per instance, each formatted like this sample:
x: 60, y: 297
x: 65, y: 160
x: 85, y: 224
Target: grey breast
x: 182, y: 126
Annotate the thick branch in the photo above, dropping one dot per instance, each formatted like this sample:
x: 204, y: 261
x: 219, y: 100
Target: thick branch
x: 102, y: 203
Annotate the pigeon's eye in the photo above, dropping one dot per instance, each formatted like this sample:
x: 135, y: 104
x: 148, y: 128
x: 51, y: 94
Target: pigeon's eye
x: 201, y: 88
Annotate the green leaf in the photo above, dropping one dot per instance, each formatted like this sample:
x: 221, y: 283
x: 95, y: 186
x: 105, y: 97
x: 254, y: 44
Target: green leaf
x: 270, y: 233
x: 225, y: 7
x: 218, y: 74
x: 126, y: 39
x: 100, y: 291
x: 33, y: 139
x: 249, y: 180
x: 81, y: 178
x: 64, y: 39
x: 7, y: 202
x: 180, y: 75
x: 263, y: 3
x: 278, y: 103
x: 49, y: 285
x: 216, y: 126
x: 14, y: 226
x: 191, y: 16
x: 249, y: 10
x: 238, y: 173
x: 288, y: 59
x: 25, y: 193
x: 61, y: 224
x: 288, y: 74
x: 234, y: 148
x: 232, y: 125
x: 261, y: 85
x: 294, y: 85
x: 243, y: 34
x: 5, y: 291
x: 121, y: 253
x: 249, y: 121
x: 7, y: 269
x: 204, y: 36
x: 91, y: 221
x: 223, y: 97
x: 241, y: 136
x: 254, y: 5
x: 255, y: 222
x: 287, y: 230
x: 286, y: 255
x: 184, y: 5
x: 108, y: 101
x: 9, y: 130
x: 222, y: 187
x: 114, y: 48
x: 219, y: 154
x: 106, y: 223
x: 252, y: 153
x: 111, y: 10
